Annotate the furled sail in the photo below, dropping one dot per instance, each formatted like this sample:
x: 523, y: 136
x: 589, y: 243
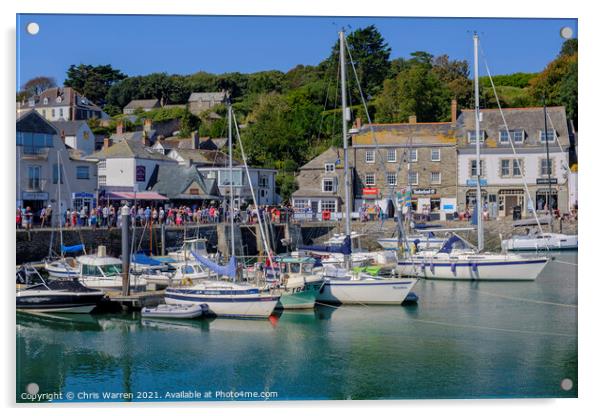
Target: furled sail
x: 141, y: 258
x: 344, y: 248
x: 227, y: 270
x: 72, y: 249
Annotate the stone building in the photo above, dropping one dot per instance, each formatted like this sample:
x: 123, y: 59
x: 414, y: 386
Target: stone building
x: 321, y: 183
x: 198, y: 102
x: 420, y: 157
x: 502, y: 171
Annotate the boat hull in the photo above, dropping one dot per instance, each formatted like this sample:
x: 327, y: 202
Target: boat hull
x: 302, y: 299
x: 367, y: 292
x: 538, y: 244
x: 234, y: 306
x: 171, y: 312
x: 516, y: 270
x: 62, y: 303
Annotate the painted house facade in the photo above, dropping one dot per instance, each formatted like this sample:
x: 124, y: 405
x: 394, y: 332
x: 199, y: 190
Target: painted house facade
x: 40, y: 152
x: 62, y: 104
x: 502, y: 171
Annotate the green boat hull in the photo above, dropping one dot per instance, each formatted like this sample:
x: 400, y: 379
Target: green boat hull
x: 305, y: 298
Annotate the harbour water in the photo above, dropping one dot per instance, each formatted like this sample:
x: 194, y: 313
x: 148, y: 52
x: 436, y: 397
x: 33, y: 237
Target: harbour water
x: 462, y: 340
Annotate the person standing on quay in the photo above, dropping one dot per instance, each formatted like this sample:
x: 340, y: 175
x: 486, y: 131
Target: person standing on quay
x: 19, y: 217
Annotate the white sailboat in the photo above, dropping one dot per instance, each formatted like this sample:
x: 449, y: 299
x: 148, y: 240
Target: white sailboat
x: 341, y: 285
x: 225, y: 298
x: 457, y: 260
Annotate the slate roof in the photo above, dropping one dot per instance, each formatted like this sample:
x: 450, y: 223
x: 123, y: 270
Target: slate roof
x: 531, y: 120
x: 207, y: 96
x: 173, y: 180
x: 129, y: 149
x: 65, y: 95
x: 206, y: 157
x: 150, y: 103
x: 401, y: 133
x: 133, y: 136
x: 33, y: 122
x: 69, y: 128
x: 328, y: 156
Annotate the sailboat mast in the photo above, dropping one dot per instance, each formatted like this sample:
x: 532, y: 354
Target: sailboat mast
x: 231, y: 179
x: 477, y: 114
x: 58, y: 162
x: 549, y: 165
x: 345, y: 138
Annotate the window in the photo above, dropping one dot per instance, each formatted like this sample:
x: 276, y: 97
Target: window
x: 263, y: 181
x: 472, y: 136
x: 473, y: 168
x: 45, y: 100
x: 34, y: 177
x: 413, y: 178
x: 55, y: 174
x: 328, y: 205
x: 369, y: 156
x: 545, y: 168
x: 369, y: 180
x: 517, y: 166
x: 194, y: 191
x: 435, y: 155
x: 83, y: 172
x: 102, y: 164
x: 550, y: 137
x: 391, y: 155
x: 517, y: 135
x: 435, y: 177
x: 44, y: 113
x: 505, y: 167
x: 413, y: 155
x: 34, y: 143
x: 300, y: 203
x: 60, y: 112
x: 53, y: 113
x: 329, y: 167
x: 102, y: 180
x: 328, y: 185
x: 391, y: 179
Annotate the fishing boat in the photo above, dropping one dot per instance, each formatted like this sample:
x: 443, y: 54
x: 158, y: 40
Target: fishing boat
x: 175, y: 311
x: 225, y: 298
x: 299, y: 283
x: 99, y: 271
x: 62, y: 296
x: 458, y: 260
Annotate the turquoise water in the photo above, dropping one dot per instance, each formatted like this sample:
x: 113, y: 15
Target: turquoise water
x: 462, y: 340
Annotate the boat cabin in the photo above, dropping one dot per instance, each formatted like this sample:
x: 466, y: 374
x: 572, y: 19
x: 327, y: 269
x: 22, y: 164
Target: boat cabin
x: 95, y: 266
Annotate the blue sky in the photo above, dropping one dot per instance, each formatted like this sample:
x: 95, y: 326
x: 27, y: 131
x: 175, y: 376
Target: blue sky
x: 140, y: 45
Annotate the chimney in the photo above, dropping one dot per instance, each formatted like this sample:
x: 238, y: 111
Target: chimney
x: 106, y: 143
x: 120, y: 127
x: 454, y: 111
x: 194, y: 139
x: 148, y: 124
x: 412, y: 119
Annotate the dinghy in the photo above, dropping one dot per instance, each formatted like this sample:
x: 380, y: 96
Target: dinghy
x: 175, y: 311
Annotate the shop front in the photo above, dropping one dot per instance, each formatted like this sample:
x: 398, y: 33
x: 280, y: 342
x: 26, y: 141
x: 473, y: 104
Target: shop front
x: 35, y: 200
x: 81, y: 199
x: 508, y: 199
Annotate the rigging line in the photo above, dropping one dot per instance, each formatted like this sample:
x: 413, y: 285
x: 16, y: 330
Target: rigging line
x: 543, y: 302
x: 327, y: 96
x: 489, y: 328
x: 565, y: 262
x: 511, y: 140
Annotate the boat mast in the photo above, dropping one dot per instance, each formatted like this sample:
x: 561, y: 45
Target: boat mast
x: 477, y: 114
x: 58, y: 161
x: 232, y: 253
x: 345, y: 138
x: 549, y: 166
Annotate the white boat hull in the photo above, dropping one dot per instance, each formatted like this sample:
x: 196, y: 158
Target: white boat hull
x: 111, y: 284
x: 60, y: 271
x: 366, y: 291
x: 235, y: 306
x: 546, y: 241
x: 473, y: 269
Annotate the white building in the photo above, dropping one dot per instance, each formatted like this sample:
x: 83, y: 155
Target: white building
x: 502, y: 171
x: 40, y: 152
x: 56, y: 104
x: 77, y: 135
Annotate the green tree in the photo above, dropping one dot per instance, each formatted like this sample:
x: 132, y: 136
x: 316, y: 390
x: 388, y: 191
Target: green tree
x: 93, y: 81
x: 569, y: 47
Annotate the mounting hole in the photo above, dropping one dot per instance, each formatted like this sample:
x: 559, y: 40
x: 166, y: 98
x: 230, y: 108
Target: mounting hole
x: 566, y: 32
x: 33, y: 28
x: 566, y: 384
x: 32, y: 388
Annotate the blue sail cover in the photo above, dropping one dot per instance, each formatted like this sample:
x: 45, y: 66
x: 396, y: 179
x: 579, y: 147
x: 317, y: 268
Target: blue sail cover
x: 344, y: 248
x: 451, y: 243
x: 227, y: 270
x: 72, y: 249
x: 141, y: 258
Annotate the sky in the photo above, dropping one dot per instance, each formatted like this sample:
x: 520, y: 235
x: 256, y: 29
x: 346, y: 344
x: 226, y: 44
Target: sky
x: 139, y: 45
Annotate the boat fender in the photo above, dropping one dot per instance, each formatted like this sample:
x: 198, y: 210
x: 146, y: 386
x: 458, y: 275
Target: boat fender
x: 187, y: 281
x: 423, y: 266
x: 432, y: 267
x: 474, y: 267
x: 453, y: 268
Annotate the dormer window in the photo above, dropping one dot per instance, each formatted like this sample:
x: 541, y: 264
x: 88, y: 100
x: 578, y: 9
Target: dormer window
x: 58, y: 99
x: 32, y: 102
x: 45, y: 100
x: 517, y: 135
x: 551, y: 135
x: 472, y: 136
x: 329, y: 167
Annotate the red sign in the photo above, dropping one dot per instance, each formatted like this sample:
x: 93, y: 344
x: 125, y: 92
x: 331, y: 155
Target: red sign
x: 370, y: 191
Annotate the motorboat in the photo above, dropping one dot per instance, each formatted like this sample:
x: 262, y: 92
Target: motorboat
x: 458, y: 260
x: 535, y: 239
x: 62, y: 296
x: 184, y: 253
x: 299, y: 284
x: 175, y: 311
x: 103, y: 272
x: 61, y: 268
